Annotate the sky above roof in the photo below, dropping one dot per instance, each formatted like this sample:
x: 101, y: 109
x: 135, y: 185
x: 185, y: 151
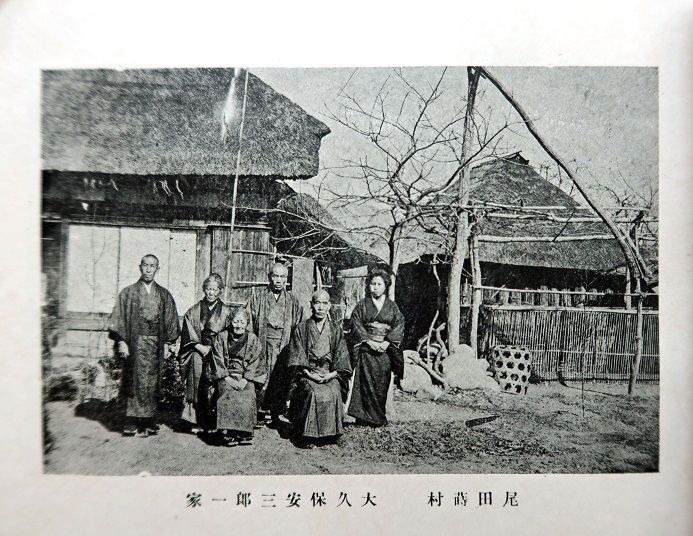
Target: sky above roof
x: 602, y: 119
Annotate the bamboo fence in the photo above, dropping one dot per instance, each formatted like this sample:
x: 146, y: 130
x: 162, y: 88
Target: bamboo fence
x: 575, y: 344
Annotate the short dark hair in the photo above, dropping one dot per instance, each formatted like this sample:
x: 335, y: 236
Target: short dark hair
x: 379, y: 271
x: 149, y: 255
x: 277, y: 264
x: 214, y: 278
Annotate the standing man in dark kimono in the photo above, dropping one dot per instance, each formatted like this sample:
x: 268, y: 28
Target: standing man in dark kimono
x: 274, y: 312
x: 319, y: 362
x: 143, y: 319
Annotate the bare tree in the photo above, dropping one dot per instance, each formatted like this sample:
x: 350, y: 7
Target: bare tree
x: 635, y: 212
x: 415, y: 153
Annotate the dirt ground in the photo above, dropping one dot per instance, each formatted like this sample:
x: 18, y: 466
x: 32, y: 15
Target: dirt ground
x: 552, y: 429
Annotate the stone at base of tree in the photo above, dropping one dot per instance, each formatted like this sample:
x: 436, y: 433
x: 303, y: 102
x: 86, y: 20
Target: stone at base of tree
x: 414, y: 379
x: 464, y: 371
x: 432, y: 392
x: 417, y: 381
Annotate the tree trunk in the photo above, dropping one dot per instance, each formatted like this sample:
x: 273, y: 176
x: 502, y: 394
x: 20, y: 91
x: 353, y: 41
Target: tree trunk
x: 635, y: 364
x: 461, y: 235
x: 476, y: 295
x: 395, y: 258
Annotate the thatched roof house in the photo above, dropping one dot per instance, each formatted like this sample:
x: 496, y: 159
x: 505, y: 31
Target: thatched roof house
x: 306, y: 226
x: 169, y: 122
x: 134, y: 162
x: 511, y: 181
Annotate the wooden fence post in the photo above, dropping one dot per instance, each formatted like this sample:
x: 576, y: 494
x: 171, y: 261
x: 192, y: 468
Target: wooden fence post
x: 635, y: 367
x: 544, y: 297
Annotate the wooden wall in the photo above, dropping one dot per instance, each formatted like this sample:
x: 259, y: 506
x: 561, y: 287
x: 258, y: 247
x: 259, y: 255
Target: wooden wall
x: 82, y: 332
x: 251, y: 257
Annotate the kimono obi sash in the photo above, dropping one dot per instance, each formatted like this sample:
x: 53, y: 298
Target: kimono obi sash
x: 148, y: 328
x: 378, y: 330
x: 274, y: 332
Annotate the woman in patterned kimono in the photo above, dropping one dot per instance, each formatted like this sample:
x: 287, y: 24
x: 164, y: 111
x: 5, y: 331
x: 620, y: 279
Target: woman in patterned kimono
x: 221, y: 364
x: 377, y: 328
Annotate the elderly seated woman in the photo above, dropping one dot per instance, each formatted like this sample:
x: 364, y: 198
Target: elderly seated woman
x: 222, y: 365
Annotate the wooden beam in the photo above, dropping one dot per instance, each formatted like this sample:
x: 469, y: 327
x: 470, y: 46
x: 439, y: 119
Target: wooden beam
x: 509, y: 239
x: 556, y: 291
x: 561, y: 219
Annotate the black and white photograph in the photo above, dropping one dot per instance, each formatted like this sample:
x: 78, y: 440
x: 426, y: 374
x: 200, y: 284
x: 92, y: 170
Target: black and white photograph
x: 346, y: 271
x: 352, y: 268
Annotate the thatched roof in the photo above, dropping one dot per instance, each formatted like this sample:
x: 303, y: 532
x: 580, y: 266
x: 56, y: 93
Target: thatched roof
x: 303, y: 215
x: 168, y: 122
x: 512, y: 181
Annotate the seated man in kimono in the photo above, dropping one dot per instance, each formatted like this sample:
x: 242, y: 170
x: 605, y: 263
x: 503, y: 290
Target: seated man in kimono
x: 319, y: 362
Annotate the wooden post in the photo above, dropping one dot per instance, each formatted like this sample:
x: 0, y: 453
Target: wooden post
x: 461, y: 233
x: 580, y: 300
x: 554, y: 297
x: 639, y: 321
x: 228, y: 277
x: 527, y: 297
x: 635, y: 367
x: 476, y: 294
x: 543, y: 297
x: 629, y: 288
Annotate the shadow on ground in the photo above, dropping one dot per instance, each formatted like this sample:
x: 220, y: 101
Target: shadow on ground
x: 111, y: 415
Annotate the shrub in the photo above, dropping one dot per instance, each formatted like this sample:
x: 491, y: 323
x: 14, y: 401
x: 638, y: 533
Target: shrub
x: 172, y: 390
x: 61, y: 387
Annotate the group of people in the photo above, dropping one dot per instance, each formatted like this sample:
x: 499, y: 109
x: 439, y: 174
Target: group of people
x: 258, y: 365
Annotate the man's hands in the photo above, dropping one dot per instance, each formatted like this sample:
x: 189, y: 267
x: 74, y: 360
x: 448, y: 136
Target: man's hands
x: 378, y: 347
x: 235, y: 384
x: 122, y: 349
x: 319, y: 378
x: 203, y: 349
